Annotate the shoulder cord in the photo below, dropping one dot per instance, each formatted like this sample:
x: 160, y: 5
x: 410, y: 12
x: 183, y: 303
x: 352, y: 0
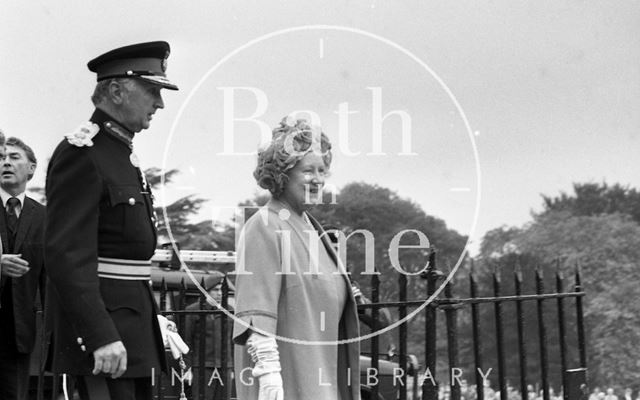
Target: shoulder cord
x: 183, y: 368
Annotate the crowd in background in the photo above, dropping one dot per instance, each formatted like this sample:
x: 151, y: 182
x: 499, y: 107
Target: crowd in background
x: 469, y: 392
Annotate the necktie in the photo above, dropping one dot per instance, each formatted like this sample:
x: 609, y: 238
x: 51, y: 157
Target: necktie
x: 12, y: 221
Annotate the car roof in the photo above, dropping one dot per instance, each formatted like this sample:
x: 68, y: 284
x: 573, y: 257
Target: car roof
x: 175, y: 279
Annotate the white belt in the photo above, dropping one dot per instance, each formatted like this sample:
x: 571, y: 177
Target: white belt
x: 129, y: 270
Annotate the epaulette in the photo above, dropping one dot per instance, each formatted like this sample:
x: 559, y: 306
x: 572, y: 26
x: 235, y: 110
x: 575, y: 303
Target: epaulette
x: 82, y: 136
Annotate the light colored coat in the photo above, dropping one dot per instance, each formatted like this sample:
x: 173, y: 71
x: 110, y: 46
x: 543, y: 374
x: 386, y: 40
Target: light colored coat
x: 296, y: 305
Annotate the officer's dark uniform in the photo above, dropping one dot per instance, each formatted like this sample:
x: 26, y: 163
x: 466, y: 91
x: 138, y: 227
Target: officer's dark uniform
x: 100, y: 236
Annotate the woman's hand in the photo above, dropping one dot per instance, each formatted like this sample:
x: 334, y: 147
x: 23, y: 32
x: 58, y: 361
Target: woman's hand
x: 264, y: 353
x: 271, y: 387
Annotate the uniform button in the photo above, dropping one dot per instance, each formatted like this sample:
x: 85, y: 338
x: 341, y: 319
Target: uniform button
x: 132, y: 201
x: 79, y: 340
x: 108, y: 124
x: 83, y: 348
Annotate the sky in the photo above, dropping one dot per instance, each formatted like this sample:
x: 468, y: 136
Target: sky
x: 502, y: 100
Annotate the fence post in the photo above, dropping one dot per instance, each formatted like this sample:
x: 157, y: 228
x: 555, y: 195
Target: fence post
x: 452, y: 340
x: 561, y: 330
x: 375, y: 353
x: 500, y: 336
x: 164, y: 290
x: 542, y: 333
x: 202, y: 343
x: 475, y: 320
x: 163, y: 295
x: 429, y: 386
x: 402, y: 332
x: 182, y: 293
x: 580, y: 319
x: 224, y: 327
x: 520, y: 323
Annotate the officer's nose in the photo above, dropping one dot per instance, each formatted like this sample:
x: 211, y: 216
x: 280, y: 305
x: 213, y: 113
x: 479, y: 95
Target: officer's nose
x: 159, y: 103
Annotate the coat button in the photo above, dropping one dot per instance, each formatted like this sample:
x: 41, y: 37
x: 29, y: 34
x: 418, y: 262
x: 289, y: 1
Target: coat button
x: 132, y: 201
x: 108, y: 124
x: 79, y: 340
x: 83, y: 348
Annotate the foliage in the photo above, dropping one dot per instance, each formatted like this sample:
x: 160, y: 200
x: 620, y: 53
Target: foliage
x: 203, y: 235
x: 596, y: 228
x: 607, y: 247
x: 361, y: 206
x: 154, y: 176
x: 595, y: 199
x: 498, y: 242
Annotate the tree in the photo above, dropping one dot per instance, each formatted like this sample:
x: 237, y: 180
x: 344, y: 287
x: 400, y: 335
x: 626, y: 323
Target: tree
x: 594, y: 199
x: 203, y: 235
x: 598, y: 229
x: 362, y: 206
x: 607, y: 247
x: 497, y: 242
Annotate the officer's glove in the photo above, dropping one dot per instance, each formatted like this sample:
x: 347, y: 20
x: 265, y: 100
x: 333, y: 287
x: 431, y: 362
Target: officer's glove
x: 264, y: 353
x: 171, y: 338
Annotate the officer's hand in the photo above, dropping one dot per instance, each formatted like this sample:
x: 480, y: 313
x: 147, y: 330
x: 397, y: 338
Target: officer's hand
x: 13, y: 266
x: 110, y: 359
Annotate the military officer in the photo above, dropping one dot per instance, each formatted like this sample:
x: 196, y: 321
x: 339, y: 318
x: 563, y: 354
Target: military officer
x: 101, y: 235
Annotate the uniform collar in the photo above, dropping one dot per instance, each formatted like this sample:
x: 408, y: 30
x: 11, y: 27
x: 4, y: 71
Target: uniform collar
x: 112, y: 127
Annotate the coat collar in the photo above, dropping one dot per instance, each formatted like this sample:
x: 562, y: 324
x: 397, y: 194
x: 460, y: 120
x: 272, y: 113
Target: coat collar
x: 277, y: 207
x: 112, y: 127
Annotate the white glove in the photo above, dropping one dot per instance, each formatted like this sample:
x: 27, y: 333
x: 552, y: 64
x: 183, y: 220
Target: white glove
x: 264, y: 352
x: 177, y: 345
x: 171, y: 338
x: 271, y: 387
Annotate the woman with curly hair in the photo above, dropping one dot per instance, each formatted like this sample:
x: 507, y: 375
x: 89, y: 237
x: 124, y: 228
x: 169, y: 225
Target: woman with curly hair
x: 294, y: 303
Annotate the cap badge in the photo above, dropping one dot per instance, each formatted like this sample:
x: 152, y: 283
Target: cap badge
x: 163, y: 65
x: 83, y: 134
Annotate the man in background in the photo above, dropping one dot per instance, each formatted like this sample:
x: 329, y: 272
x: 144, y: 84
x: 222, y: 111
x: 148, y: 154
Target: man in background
x: 22, y: 274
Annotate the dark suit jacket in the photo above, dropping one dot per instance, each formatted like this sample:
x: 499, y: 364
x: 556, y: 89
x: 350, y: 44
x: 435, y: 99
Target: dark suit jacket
x: 98, y: 207
x: 29, y: 243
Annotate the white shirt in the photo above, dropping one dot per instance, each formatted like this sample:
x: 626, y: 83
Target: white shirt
x: 6, y: 196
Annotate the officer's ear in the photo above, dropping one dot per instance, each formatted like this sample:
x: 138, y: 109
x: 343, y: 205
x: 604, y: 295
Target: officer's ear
x: 117, y: 91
